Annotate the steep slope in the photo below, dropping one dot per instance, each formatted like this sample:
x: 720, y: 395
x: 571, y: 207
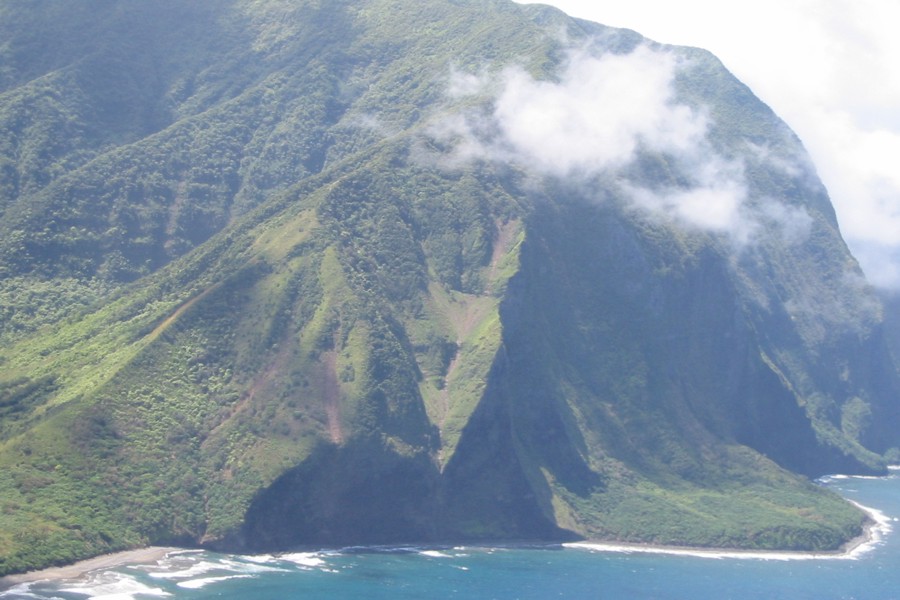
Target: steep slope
x: 370, y: 272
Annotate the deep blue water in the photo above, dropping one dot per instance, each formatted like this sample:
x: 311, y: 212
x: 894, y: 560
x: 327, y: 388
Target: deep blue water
x: 508, y: 573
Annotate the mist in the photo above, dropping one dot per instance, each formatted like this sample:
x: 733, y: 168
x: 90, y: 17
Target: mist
x: 830, y: 70
x: 596, y: 119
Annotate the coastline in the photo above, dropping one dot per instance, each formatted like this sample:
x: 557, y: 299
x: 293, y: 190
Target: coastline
x: 873, y: 533
x: 877, y: 527
x: 81, y: 567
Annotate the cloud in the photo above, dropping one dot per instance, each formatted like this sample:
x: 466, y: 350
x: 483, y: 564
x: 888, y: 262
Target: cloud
x: 793, y: 223
x: 598, y: 113
x: 830, y: 70
x: 463, y: 84
x: 595, y: 119
x: 713, y: 201
x: 861, y: 171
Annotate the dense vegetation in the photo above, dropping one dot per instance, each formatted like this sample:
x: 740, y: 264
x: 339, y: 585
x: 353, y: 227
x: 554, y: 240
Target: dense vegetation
x: 250, y: 299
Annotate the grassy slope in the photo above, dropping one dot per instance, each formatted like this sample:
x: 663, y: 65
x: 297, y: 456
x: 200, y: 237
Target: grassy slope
x: 284, y: 341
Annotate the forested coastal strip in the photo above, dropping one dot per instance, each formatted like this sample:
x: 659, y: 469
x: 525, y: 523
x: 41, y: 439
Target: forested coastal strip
x: 873, y: 533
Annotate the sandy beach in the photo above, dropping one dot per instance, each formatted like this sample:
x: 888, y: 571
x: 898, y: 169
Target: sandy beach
x: 75, y: 570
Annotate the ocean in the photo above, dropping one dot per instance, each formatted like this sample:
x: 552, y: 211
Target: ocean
x: 538, y: 572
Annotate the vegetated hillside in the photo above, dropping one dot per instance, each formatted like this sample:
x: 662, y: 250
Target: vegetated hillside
x: 276, y: 274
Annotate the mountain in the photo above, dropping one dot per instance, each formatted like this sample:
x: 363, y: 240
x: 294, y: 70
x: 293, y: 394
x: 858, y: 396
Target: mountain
x: 378, y: 271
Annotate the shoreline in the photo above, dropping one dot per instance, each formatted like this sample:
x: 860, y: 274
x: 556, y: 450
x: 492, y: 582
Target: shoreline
x: 82, y: 567
x: 873, y: 533
x: 878, y: 526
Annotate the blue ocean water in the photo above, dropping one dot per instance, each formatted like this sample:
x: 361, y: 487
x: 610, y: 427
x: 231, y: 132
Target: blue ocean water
x: 579, y: 571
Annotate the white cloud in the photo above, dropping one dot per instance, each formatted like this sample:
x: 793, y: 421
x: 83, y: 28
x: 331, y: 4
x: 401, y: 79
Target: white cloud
x: 595, y: 119
x: 792, y: 222
x: 592, y: 119
x: 829, y: 69
x: 598, y: 113
x: 869, y: 186
x: 714, y: 201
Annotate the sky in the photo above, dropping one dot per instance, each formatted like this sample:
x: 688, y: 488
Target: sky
x: 830, y: 69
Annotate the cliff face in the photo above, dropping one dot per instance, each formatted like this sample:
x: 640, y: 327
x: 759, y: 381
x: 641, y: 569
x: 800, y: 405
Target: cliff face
x: 383, y: 271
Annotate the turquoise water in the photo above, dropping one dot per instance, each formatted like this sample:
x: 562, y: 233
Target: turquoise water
x: 507, y: 573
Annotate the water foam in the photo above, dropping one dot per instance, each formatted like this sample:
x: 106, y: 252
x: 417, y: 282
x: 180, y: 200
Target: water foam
x: 191, y: 573
x: 260, y: 559
x: 19, y: 591
x: 435, y: 554
x: 110, y: 585
x: 700, y: 552
x: 193, y: 570
x: 876, y: 533
x: 303, y: 559
x: 196, y: 584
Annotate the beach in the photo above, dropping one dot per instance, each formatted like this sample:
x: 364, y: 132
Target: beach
x: 78, y: 569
